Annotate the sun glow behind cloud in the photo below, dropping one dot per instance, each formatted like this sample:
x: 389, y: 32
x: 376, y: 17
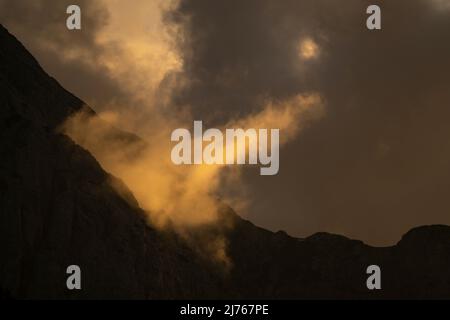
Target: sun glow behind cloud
x: 307, y: 49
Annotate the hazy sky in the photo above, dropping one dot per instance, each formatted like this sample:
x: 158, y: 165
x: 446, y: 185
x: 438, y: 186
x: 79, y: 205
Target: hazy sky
x: 375, y: 164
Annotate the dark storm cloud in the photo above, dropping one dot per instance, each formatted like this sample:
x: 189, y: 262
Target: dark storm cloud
x: 239, y: 52
x: 41, y: 27
x: 378, y: 163
x: 375, y: 166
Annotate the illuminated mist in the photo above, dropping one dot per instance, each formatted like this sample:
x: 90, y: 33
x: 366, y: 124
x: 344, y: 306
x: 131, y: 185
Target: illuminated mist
x: 133, y: 48
x: 182, y: 196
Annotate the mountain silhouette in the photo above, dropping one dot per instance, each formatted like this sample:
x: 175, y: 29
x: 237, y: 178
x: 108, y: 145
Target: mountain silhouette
x: 58, y: 208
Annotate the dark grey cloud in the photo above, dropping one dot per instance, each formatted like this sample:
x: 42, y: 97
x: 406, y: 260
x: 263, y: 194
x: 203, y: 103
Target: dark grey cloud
x: 378, y: 163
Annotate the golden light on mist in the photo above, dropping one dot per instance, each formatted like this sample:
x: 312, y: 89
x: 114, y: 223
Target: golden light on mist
x: 139, y: 49
x: 182, y: 196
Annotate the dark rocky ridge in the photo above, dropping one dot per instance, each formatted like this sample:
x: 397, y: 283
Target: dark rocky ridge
x: 57, y: 208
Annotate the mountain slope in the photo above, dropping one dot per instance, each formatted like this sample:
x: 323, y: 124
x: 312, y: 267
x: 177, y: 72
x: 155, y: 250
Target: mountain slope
x: 57, y: 208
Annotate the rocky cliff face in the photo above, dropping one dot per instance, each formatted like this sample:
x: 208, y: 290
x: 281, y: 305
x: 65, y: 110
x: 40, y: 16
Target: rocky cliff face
x: 58, y: 208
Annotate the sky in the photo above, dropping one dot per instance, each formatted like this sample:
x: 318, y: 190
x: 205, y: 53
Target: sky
x: 363, y: 114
